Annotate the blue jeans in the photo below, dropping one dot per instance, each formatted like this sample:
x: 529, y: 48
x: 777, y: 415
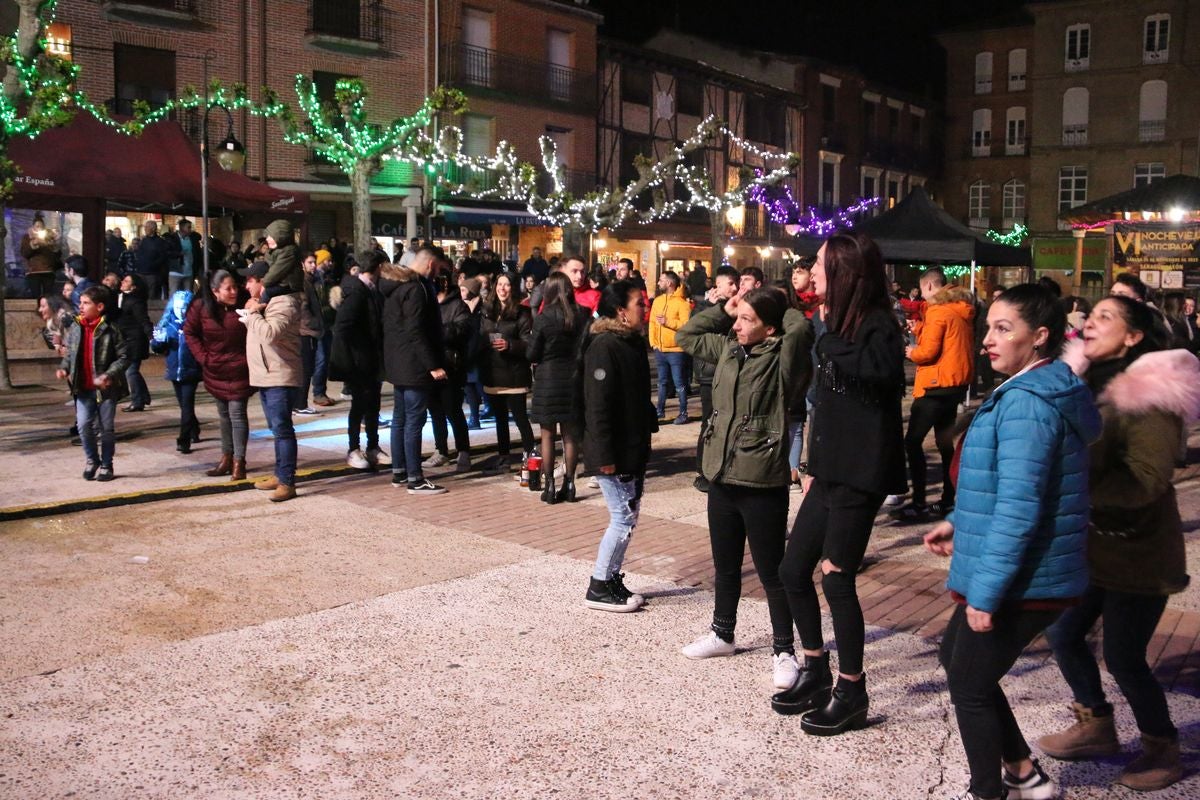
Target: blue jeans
x: 139, y: 393
x: 795, y: 434
x: 97, y: 418
x: 671, y: 364
x: 623, y: 496
x: 320, y: 372
x: 408, y: 419
x: 1128, y: 622
x: 277, y: 406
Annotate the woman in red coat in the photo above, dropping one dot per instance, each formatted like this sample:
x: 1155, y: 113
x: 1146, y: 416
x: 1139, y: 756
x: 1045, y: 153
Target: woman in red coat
x: 217, y: 340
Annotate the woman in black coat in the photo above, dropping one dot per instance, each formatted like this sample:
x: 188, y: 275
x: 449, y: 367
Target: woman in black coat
x: 133, y: 322
x: 505, y: 329
x: 554, y: 347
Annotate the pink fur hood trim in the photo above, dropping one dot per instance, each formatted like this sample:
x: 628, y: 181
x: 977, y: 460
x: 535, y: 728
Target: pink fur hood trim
x: 1167, y: 380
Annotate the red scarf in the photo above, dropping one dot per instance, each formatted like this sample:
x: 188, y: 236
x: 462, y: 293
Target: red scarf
x: 87, y: 351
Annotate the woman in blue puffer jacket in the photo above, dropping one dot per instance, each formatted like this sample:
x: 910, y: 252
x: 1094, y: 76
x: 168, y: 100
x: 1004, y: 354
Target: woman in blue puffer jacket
x: 183, y: 371
x: 1017, y: 534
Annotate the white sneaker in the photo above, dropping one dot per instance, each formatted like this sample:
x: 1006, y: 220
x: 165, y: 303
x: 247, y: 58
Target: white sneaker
x: 787, y: 669
x: 463, y: 462
x: 356, y: 459
x: 593, y: 482
x: 893, y: 500
x: 375, y: 455
x: 709, y: 646
x: 435, y: 460
x: 343, y: 395
x: 560, y: 471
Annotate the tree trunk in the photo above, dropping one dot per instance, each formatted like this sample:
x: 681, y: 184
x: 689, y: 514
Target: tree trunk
x: 577, y: 242
x: 716, y: 221
x: 5, y: 380
x: 360, y: 202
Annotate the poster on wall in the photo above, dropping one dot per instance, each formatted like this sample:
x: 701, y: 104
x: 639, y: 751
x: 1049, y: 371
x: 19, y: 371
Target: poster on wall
x: 1171, y: 251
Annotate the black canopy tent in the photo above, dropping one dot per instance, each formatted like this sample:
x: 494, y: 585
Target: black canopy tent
x: 917, y: 231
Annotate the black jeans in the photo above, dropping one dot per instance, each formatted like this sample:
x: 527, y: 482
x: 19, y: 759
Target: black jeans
x: 502, y: 404
x: 835, y: 523
x: 364, y: 412
x: 446, y: 403
x: 974, y: 664
x: 936, y: 412
x: 308, y: 360
x: 185, y: 395
x: 1129, y: 621
x: 737, y: 514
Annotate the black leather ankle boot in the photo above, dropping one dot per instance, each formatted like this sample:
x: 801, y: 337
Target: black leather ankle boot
x: 846, y: 710
x: 548, y: 493
x: 810, y: 690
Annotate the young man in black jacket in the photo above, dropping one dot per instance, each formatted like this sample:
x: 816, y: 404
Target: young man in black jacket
x: 356, y: 359
x: 413, y: 361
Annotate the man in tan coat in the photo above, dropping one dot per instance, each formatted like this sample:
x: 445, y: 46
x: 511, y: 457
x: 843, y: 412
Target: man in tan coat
x: 276, y: 369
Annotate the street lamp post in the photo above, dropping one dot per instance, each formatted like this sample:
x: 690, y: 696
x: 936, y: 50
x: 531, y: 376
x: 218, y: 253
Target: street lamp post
x: 231, y: 156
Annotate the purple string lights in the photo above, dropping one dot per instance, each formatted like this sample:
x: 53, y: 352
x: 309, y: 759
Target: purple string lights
x: 784, y: 210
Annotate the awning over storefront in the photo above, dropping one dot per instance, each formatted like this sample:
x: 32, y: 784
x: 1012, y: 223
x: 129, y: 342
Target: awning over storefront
x: 157, y: 171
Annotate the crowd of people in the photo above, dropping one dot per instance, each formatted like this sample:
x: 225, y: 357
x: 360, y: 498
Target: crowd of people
x: 1056, y: 507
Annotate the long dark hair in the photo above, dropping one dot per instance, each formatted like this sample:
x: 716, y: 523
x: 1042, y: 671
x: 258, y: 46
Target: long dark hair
x: 615, y: 297
x: 1141, y: 318
x: 559, y: 292
x: 855, y: 283
x: 496, y: 310
x: 208, y: 297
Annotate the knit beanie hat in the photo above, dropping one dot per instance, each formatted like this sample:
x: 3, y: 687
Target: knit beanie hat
x: 282, y: 232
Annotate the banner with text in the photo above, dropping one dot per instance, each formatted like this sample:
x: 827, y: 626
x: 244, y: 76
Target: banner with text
x: 1164, y: 255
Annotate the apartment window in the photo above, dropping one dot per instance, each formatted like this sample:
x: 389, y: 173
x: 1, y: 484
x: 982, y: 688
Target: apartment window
x: 765, y: 121
x: 1014, y: 131
x: 1157, y: 35
x: 870, y: 183
x: 1075, y: 116
x: 1072, y: 187
x: 477, y: 135
x: 983, y: 73
x: 893, y: 118
x: 981, y: 132
x: 563, y: 144
x: 1152, y: 111
x: 830, y: 187
x: 635, y: 85
x: 893, y: 190
x: 1146, y: 174
x: 915, y: 129
x: 979, y: 201
x: 1016, y: 69
x: 559, y: 55
x: 1014, y: 203
x: 828, y: 102
x: 632, y: 146
x: 689, y: 98
x: 1079, y: 47
x: 870, y: 109
x: 142, y: 73
x: 478, y: 46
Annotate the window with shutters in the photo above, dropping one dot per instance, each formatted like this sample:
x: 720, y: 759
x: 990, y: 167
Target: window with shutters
x: 1156, y: 36
x: 1152, y: 111
x: 1014, y: 131
x: 981, y: 132
x: 1075, y: 116
x: 1079, y: 47
x: 1016, y: 69
x: 983, y: 73
x: 477, y: 135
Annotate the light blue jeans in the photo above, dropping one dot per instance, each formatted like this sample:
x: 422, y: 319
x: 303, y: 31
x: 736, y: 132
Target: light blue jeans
x: 623, y: 496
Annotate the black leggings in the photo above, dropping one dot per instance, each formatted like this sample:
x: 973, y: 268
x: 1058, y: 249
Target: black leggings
x: 737, y: 514
x: 364, y: 412
x: 835, y: 523
x: 936, y: 412
x: 502, y: 404
x: 974, y: 664
x: 446, y: 404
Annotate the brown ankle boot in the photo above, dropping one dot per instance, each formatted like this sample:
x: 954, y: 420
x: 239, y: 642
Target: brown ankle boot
x: 267, y: 484
x: 1156, y: 768
x: 1092, y: 736
x: 223, y: 467
x: 239, y: 470
x: 282, y: 492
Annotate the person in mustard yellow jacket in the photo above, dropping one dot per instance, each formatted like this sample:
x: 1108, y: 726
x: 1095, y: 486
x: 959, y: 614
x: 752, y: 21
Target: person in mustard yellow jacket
x: 944, y: 355
x: 668, y: 313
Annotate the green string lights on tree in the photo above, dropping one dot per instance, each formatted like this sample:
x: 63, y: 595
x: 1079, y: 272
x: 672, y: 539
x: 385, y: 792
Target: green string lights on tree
x: 1014, y: 238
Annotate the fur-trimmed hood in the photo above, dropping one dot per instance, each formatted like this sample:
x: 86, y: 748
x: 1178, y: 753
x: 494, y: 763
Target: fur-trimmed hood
x: 1167, y: 380
x: 396, y: 273
x: 953, y: 294
x: 609, y: 325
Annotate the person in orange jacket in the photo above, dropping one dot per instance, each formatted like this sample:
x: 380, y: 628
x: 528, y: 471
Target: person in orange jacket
x: 668, y: 313
x: 944, y: 355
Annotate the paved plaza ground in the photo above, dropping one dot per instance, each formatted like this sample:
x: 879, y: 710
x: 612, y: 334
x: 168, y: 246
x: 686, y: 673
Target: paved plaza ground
x: 359, y: 642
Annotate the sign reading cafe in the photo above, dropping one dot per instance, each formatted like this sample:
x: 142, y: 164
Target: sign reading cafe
x: 1164, y: 255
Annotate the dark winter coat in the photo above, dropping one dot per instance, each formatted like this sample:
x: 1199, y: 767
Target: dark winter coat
x: 109, y: 357
x: 457, y: 325
x: 219, y: 346
x: 745, y: 441
x: 134, y: 320
x: 508, y: 369
x: 152, y: 255
x: 169, y: 338
x: 412, y: 327
x: 857, y: 432
x: 357, y: 351
x: 618, y: 415
x: 556, y: 350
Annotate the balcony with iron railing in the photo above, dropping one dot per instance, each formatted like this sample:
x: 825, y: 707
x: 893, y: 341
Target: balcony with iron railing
x: 1152, y: 130
x: 1075, y: 135
x: 154, y: 12
x: 481, y: 70
x: 349, y: 26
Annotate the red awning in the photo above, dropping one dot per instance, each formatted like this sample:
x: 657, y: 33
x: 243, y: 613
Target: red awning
x: 157, y: 171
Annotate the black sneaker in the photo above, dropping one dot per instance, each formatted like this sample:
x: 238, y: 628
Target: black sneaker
x: 425, y: 486
x: 1037, y: 785
x: 105, y: 474
x: 911, y: 513
x: 89, y: 471
x: 617, y: 584
x: 399, y: 480
x: 939, y: 510
x: 602, y: 596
